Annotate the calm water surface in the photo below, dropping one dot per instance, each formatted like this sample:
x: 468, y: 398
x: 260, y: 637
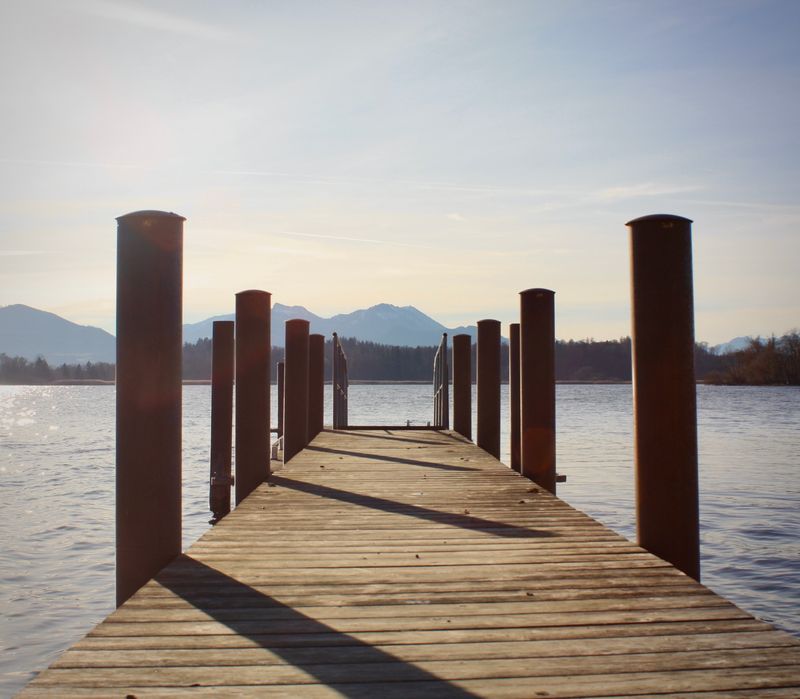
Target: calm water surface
x: 57, y: 496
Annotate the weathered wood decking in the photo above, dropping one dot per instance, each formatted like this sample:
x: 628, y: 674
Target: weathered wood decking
x: 412, y: 564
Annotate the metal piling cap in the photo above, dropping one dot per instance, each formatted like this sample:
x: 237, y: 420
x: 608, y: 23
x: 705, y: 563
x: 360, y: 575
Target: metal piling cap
x: 659, y: 218
x: 253, y: 292
x: 538, y: 292
x: 150, y: 213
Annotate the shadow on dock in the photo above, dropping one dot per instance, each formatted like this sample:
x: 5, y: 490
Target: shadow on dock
x: 393, y: 459
x: 453, y: 519
x: 351, y: 666
x: 389, y: 436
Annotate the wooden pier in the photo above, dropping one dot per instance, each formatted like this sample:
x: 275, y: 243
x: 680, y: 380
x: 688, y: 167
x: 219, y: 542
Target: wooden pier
x: 383, y: 563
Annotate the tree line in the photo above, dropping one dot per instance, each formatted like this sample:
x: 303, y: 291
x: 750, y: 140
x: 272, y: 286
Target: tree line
x: 366, y: 361
x: 575, y: 360
x: 772, y: 361
x: 18, y: 370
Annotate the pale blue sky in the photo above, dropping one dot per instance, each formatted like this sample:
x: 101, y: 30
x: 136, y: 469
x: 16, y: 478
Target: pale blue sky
x: 441, y: 154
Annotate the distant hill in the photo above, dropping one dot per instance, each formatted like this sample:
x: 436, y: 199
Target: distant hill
x: 385, y: 324
x: 192, y: 332
x: 30, y: 333
x: 735, y: 345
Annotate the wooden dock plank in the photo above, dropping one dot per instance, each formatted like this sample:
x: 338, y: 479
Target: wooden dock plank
x: 595, y: 647
x: 265, y: 639
x: 295, y: 670
x: 413, y: 564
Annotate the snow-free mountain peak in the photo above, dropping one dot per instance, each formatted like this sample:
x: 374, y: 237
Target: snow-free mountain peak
x: 30, y: 333
x: 383, y: 323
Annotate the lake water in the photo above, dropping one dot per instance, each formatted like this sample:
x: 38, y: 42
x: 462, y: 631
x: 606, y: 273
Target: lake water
x: 57, y: 495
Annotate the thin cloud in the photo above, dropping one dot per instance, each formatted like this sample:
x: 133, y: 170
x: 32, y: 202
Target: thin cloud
x: 369, y: 241
x: 417, y: 184
x: 148, y: 18
x: 645, y: 189
x: 257, y: 173
x: 298, y: 252
x: 765, y: 206
x: 24, y: 253
x: 68, y: 163
x: 483, y: 188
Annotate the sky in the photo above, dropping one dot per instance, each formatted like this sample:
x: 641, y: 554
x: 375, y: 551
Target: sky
x: 439, y: 154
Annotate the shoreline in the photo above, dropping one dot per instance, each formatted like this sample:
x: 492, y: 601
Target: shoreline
x: 399, y: 382
x: 353, y: 382
x: 375, y: 382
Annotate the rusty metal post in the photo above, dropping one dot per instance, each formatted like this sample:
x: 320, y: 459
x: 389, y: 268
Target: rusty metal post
x: 462, y: 385
x: 253, y: 310
x: 316, y: 385
x: 665, y: 411
x: 295, y: 411
x: 149, y: 346
x: 489, y: 386
x: 513, y: 396
x: 281, y: 391
x: 222, y: 349
x: 538, y: 387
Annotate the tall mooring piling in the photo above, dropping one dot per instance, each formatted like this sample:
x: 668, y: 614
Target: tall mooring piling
x: 295, y: 410
x: 253, y: 353
x: 462, y: 385
x: 222, y: 374
x: 538, y: 387
x: 488, y: 377
x: 149, y: 321
x: 665, y: 411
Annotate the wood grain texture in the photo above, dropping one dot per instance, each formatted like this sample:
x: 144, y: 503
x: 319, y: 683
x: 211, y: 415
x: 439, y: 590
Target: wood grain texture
x: 412, y: 564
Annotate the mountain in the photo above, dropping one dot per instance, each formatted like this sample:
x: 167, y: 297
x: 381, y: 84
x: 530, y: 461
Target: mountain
x: 393, y: 325
x: 193, y: 332
x: 735, y: 345
x: 30, y: 333
x: 384, y: 323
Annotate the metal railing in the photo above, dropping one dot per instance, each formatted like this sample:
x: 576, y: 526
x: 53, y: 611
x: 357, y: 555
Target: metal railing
x: 340, y: 385
x: 441, y: 386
